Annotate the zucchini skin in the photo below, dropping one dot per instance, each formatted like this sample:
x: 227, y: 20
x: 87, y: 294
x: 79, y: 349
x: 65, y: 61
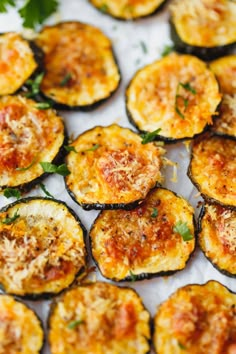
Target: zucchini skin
x: 49, y: 295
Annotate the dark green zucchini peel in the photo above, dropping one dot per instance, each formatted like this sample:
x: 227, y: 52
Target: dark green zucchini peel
x: 80, y: 68
x: 99, y: 318
x: 205, y: 28
x: 155, y: 238
x: 42, y: 247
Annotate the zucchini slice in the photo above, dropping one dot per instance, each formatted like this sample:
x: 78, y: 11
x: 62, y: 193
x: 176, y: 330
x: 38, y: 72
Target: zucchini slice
x: 17, y: 62
x: 28, y: 135
x: 42, y: 247
x: 212, y: 169
x: 128, y: 9
x: 21, y: 329
x: 205, y: 28
x: 177, y: 94
x: 197, y: 319
x: 224, y: 69
x: 111, y: 168
x: 99, y: 318
x: 81, y: 70
x: 142, y: 243
x: 217, y: 237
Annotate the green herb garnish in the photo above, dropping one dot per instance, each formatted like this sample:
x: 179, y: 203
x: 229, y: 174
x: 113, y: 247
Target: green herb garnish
x: 27, y: 167
x: 12, y: 192
x: 104, y: 8
x: 95, y: 147
x: 149, y: 137
x: 8, y: 221
x: 182, y: 228
x: 74, y: 324
x: 5, y: 3
x: 144, y: 47
x: 43, y: 105
x: 167, y: 50
x: 51, y: 168
x: 66, y: 79
x: 154, y: 213
x: 34, y: 85
x: 44, y: 189
x: 186, y: 87
x: 181, y: 346
x: 133, y: 276
x: 70, y: 148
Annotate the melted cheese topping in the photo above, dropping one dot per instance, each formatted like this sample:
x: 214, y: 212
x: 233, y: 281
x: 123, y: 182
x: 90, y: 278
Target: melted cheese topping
x: 225, y: 70
x: 197, y: 319
x: 226, y: 123
x: 82, y: 54
x: 152, y: 97
x: 42, y: 250
x: 127, y: 9
x: 17, y: 62
x: 213, y: 168
x: 113, y: 320
x: 205, y: 23
x: 218, y: 237
x: 119, y: 170
x: 135, y: 241
x: 27, y: 136
x: 20, y: 329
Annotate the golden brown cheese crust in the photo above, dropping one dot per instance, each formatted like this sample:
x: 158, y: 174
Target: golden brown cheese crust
x: 79, y: 62
x: 213, y: 169
x: 197, y: 319
x: 21, y: 330
x: 225, y: 124
x: 112, y: 167
x: 205, y: 23
x: 109, y: 320
x: 155, y: 94
x: 27, y: 136
x: 17, y: 62
x: 127, y: 9
x: 142, y: 241
x: 42, y: 250
x: 217, y: 237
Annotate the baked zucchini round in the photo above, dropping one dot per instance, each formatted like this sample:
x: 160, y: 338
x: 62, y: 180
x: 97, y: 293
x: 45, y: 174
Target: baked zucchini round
x: 81, y: 70
x: 205, y: 28
x: 99, y: 318
x: 217, y: 237
x: 28, y: 135
x: 21, y: 329
x: 111, y: 169
x: 156, y: 238
x: 224, y: 69
x: 212, y: 169
x: 177, y: 94
x: 197, y: 319
x: 128, y: 9
x: 42, y: 247
x: 17, y: 62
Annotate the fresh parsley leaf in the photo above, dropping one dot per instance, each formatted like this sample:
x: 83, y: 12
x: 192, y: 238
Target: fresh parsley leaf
x: 70, y: 148
x: 93, y: 148
x: 8, y: 221
x: 154, y: 213
x: 51, y: 168
x: 5, y: 3
x: 65, y: 80
x: 44, y: 189
x: 104, y: 8
x: 182, y: 228
x: 27, y: 167
x: 144, y: 47
x: 133, y: 276
x: 149, y: 137
x: 74, y: 324
x: 167, y: 50
x: 11, y: 192
x: 34, y: 85
x: 43, y: 105
x: 188, y: 87
x: 178, y: 112
x: 181, y: 346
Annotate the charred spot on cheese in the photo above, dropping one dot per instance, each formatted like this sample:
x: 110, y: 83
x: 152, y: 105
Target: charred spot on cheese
x: 217, y: 237
x: 197, y: 319
x: 99, y: 318
x: 117, y: 174
x: 17, y: 62
x: 81, y: 70
x: 142, y: 242
x: 28, y: 136
x: 206, y: 28
x: 128, y: 9
x: 21, y: 329
x: 225, y: 70
x: 213, y: 169
x: 42, y: 250
x: 177, y: 94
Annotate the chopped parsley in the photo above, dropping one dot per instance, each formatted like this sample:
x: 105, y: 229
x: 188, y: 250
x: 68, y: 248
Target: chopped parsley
x: 34, y: 85
x: 104, y: 8
x: 144, y: 47
x: 133, y: 276
x: 44, y: 189
x: 74, y: 324
x: 69, y: 148
x: 186, y: 87
x: 43, y: 105
x: 154, y: 213
x: 94, y: 147
x: 27, y: 167
x: 51, y: 168
x: 10, y: 220
x: 5, y: 3
x: 65, y: 80
x: 182, y: 228
x: 181, y: 346
x: 167, y: 50
x: 12, y: 192
x: 149, y: 137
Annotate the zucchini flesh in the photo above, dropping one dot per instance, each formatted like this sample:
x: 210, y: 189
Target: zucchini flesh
x: 225, y: 124
x: 197, y: 319
x: 128, y: 9
x: 141, y: 243
x: 28, y: 136
x: 21, y: 330
x: 217, y: 237
x: 112, y: 168
x: 213, y: 169
x: 81, y: 70
x: 42, y: 248
x: 99, y: 318
x: 224, y: 69
x: 177, y: 94
x: 17, y: 62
